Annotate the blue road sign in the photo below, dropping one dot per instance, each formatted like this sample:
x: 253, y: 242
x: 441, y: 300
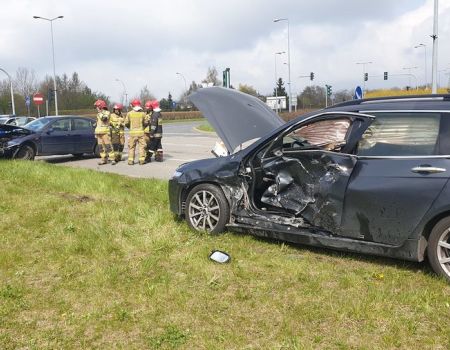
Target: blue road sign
x: 358, y: 93
x: 28, y: 101
x: 174, y: 104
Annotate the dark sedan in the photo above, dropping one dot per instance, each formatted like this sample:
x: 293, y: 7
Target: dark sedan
x: 48, y: 136
x: 366, y: 176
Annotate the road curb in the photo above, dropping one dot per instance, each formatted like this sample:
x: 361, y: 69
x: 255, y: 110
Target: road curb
x: 203, y: 131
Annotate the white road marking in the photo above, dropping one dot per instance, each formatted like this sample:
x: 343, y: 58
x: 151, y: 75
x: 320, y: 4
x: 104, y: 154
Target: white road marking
x: 184, y: 144
x: 182, y: 160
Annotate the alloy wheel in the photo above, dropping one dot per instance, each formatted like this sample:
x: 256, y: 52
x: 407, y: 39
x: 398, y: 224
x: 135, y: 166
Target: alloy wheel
x: 443, y: 251
x: 204, y: 211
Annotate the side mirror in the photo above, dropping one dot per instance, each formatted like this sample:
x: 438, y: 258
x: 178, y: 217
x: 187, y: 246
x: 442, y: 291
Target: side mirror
x: 219, y: 256
x: 50, y: 130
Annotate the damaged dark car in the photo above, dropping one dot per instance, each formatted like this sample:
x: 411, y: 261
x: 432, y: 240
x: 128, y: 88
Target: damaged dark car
x: 367, y: 176
x: 48, y: 136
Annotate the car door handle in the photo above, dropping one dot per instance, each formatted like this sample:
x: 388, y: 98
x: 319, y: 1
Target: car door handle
x: 427, y: 169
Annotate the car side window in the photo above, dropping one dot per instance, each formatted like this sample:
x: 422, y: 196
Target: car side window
x: 328, y: 134
x: 61, y: 125
x: 82, y: 124
x: 401, y: 134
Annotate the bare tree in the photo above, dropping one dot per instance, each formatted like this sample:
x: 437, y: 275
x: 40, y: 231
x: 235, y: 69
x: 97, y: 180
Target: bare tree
x: 25, y: 81
x: 211, y: 77
x: 146, y: 95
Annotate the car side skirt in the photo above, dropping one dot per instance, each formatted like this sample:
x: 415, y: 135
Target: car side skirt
x: 409, y: 250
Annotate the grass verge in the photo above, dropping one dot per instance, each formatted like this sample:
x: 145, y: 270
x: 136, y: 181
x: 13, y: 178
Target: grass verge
x: 94, y: 260
x: 205, y: 127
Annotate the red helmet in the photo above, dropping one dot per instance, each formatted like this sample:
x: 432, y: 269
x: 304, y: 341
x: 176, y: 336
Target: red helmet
x: 148, y: 105
x: 118, y: 106
x: 155, y: 104
x: 135, y: 103
x: 100, y: 104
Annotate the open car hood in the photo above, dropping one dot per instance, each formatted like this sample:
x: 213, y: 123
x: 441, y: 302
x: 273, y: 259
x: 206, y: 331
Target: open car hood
x: 8, y: 132
x: 237, y: 117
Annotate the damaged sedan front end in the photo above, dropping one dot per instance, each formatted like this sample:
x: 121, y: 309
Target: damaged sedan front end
x: 11, y: 139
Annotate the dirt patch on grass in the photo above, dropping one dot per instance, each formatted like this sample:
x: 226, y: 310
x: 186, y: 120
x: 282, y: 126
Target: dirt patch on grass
x: 76, y: 197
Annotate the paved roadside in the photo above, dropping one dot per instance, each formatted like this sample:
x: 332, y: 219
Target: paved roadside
x: 181, y: 143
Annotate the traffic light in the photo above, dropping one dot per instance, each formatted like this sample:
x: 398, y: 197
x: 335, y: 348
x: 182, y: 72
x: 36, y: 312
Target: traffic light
x: 311, y: 76
x: 385, y: 75
x: 366, y: 76
x: 226, y: 78
x: 329, y: 91
x: 50, y: 95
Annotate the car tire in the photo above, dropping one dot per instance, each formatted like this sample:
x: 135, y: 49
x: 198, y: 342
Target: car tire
x: 25, y: 152
x: 438, y: 249
x: 207, y: 209
x: 97, y: 151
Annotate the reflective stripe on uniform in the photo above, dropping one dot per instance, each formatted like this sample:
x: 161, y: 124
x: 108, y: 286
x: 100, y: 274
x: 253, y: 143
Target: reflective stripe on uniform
x: 102, y: 127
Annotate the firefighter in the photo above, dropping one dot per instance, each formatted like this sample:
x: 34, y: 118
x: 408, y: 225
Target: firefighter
x: 135, y: 122
x: 156, y: 133
x: 148, y: 114
x: 102, y: 132
x: 117, y: 132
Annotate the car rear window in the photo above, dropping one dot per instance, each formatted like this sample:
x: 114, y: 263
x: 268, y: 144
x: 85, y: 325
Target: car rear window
x: 401, y: 134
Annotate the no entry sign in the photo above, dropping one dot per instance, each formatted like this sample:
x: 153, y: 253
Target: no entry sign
x: 38, y: 98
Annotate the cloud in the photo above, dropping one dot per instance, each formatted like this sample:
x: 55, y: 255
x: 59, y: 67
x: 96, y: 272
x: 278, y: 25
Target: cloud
x: 147, y: 42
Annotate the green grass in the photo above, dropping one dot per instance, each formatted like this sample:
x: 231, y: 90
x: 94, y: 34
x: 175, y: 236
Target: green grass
x: 171, y: 121
x: 205, y: 127
x: 94, y: 260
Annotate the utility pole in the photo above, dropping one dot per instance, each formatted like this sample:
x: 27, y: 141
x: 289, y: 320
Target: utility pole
x: 426, y: 75
x: 364, y: 64
x: 434, y: 72
x: 289, y: 60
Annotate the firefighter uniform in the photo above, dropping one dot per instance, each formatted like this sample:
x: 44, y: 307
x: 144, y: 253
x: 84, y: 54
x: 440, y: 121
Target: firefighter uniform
x: 102, y: 132
x: 156, y: 133
x: 148, y: 155
x: 135, y: 122
x: 117, y: 122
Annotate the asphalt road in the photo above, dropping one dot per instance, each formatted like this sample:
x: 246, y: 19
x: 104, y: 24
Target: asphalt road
x: 181, y: 144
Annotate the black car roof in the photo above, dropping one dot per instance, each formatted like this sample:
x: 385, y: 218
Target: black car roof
x: 414, y: 102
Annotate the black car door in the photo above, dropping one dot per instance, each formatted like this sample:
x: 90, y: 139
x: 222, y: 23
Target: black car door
x: 306, y: 169
x: 57, y: 137
x: 83, y: 135
x: 401, y: 168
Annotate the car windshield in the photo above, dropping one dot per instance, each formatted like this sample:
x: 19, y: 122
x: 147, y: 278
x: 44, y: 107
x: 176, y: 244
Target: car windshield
x: 38, y: 124
x: 3, y: 120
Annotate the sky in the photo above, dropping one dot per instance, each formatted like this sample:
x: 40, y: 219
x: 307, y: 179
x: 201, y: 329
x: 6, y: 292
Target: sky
x: 146, y: 42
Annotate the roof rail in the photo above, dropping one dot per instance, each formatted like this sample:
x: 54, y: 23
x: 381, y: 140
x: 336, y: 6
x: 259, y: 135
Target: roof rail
x: 427, y: 97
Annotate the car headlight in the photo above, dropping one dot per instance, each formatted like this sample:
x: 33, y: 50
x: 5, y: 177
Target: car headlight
x: 12, y: 143
x: 177, y: 174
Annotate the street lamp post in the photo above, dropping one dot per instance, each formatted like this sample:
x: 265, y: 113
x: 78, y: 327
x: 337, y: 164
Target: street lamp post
x: 124, y: 92
x: 12, y: 92
x: 435, y: 50
x: 276, y: 80
x: 185, y: 87
x: 426, y: 75
x: 364, y: 64
x: 289, y: 60
x: 53, y: 53
x: 409, y: 73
